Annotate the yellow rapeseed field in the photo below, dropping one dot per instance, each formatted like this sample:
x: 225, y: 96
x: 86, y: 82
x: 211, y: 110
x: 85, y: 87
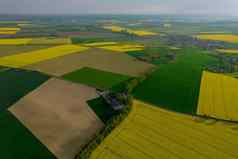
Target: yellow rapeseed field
x: 28, y: 58
x: 150, y: 132
x: 100, y: 44
x: 131, y: 31
x: 123, y: 47
x: 228, y: 51
x: 153, y: 133
x: 219, y: 37
x: 8, y: 30
x: 50, y: 41
x: 218, y: 96
x: 141, y: 32
x: 19, y: 41
x: 114, y: 28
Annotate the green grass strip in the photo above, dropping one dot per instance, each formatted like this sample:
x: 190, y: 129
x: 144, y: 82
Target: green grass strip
x: 16, y: 83
x: 96, y: 78
x: 17, y: 142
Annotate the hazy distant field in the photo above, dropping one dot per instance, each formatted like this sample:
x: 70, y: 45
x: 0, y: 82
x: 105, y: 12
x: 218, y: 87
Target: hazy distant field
x: 52, y: 69
x: 219, y: 37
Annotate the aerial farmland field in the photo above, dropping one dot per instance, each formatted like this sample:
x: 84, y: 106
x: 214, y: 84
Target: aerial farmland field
x: 50, y: 41
x: 130, y: 31
x: 54, y: 126
x: 26, y: 145
x: 22, y: 41
x: 219, y: 37
x: 123, y: 47
x: 228, y: 51
x: 100, y: 59
x: 216, y: 94
x: 149, y: 132
x: 85, y: 80
x: 18, y: 49
x: 8, y: 30
x: 175, y: 86
x: 105, y: 80
x: 16, y: 83
x: 24, y: 59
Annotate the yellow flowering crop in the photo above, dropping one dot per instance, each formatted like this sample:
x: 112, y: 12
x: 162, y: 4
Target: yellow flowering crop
x: 131, y: 31
x: 28, y: 58
x: 218, y: 96
x: 123, y: 48
x: 100, y: 44
x: 219, y: 37
x: 228, y: 51
x: 50, y: 41
x: 8, y: 30
x: 150, y: 132
x: 19, y: 41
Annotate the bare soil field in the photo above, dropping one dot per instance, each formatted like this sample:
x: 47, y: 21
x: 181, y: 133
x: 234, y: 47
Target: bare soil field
x: 95, y: 58
x: 58, y: 115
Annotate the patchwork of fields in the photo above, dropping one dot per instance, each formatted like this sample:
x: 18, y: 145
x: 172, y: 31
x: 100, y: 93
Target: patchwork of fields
x: 217, y: 94
x: 150, y: 132
x: 94, y: 58
x: 175, y: 86
x: 18, y: 142
x: 51, y: 72
x: 15, y: 83
x: 55, y: 127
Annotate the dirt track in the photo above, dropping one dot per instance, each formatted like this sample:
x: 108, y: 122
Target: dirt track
x: 57, y: 114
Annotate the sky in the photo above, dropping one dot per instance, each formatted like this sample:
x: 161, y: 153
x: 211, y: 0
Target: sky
x: 179, y: 7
